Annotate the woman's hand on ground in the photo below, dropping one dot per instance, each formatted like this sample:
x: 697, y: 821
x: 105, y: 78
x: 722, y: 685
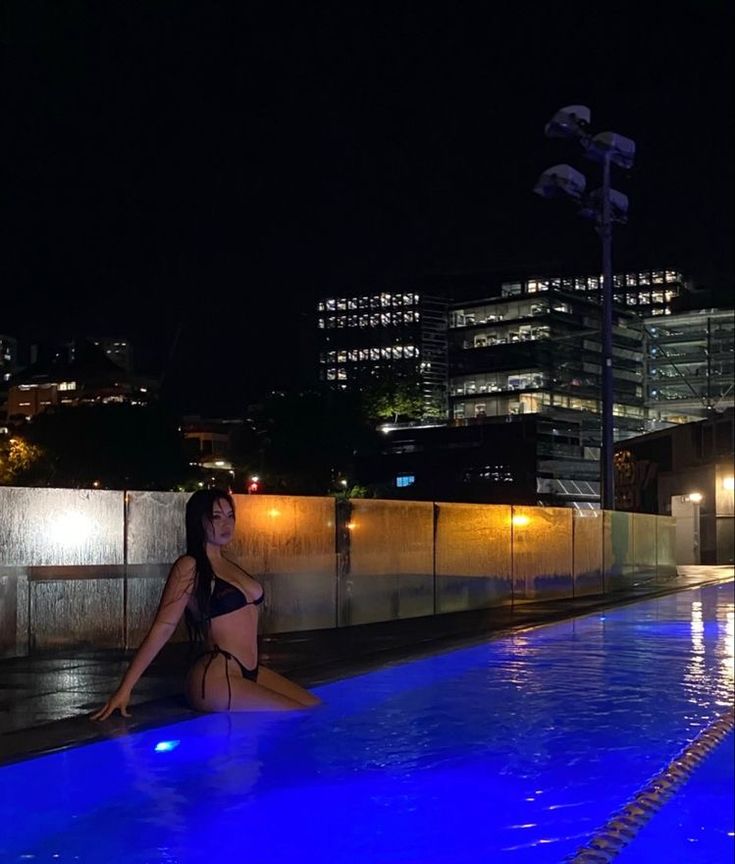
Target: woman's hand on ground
x: 118, y: 700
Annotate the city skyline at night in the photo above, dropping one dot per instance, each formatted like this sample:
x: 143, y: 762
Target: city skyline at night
x: 195, y: 177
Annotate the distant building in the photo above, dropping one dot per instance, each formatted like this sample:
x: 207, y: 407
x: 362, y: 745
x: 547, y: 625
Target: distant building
x: 382, y: 336
x: 689, y: 359
x: 645, y: 292
x: 208, y: 442
x: 85, y: 376
x: 116, y: 348
x: 686, y: 471
x: 8, y: 359
x: 525, y: 347
x: 540, y: 354
x: 520, y: 459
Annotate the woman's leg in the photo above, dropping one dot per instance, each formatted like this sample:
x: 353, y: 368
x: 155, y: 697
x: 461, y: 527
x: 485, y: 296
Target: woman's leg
x: 239, y: 695
x: 278, y: 684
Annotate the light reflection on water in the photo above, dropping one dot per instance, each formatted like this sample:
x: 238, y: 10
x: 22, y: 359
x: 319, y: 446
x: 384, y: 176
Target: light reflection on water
x: 522, y: 746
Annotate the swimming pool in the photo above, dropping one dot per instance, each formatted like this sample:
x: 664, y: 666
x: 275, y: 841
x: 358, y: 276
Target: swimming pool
x: 522, y: 746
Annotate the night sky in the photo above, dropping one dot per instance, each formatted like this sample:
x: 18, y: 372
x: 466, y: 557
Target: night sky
x: 212, y: 168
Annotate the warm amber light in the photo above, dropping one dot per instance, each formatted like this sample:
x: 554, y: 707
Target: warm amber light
x: 696, y: 497
x: 273, y: 512
x: 520, y: 520
x: 728, y: 483
x: 351, y: 526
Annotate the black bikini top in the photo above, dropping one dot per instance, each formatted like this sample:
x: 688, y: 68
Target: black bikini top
x: 227, y: 597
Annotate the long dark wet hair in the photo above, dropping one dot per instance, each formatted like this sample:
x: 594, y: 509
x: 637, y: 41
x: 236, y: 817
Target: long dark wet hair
x: 198, y: 508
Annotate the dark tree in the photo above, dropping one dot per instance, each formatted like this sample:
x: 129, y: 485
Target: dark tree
x: 113, y: 446
x: 310, y: 439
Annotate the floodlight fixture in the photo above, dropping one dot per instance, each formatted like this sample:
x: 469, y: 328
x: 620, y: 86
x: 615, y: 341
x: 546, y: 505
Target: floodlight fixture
x: 606, y: 206
x: 610, y: 145
x: 569, y: 122
x: 592, y: 207
x: 560, y: 180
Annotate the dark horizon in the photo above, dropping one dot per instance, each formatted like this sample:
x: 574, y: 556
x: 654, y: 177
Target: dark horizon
x: 211, y: 169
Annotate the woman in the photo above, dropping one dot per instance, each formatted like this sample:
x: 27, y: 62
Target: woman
x: 221, y: 604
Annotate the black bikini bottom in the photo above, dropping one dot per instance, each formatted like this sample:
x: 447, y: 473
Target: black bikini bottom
x: 249, y: 674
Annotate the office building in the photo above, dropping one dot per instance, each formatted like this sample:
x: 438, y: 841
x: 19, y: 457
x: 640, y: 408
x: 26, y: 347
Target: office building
x: 386, y: 336
x: 526, y: 348
x: 688, y: 371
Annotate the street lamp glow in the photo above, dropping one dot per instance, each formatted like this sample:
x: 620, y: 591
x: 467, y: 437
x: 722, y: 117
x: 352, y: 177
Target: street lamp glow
x: 695, y: 497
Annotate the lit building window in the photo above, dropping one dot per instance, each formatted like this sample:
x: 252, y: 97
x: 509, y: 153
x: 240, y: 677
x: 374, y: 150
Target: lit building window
x: 403, y: 480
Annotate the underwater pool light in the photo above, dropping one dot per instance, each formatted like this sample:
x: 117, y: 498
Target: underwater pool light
x: 166, y: 746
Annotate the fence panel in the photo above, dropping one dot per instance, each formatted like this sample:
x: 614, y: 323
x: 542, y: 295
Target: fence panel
x: 390, y: 573
x: 288, y: 543
x: 542, y: 552
x: 588, y: 573
x: 473, y: 556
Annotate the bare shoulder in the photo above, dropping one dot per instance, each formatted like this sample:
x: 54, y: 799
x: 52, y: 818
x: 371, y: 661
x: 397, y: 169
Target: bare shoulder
x: 183, y: 569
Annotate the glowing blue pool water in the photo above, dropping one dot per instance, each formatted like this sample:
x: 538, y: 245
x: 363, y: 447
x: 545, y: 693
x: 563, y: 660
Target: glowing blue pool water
x: 522, y: 747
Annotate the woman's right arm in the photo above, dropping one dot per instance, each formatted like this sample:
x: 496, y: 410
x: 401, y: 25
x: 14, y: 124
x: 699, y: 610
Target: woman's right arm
x: 176, y: 594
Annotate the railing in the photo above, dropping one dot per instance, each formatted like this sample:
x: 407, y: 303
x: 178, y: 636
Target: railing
x: 85, y: 568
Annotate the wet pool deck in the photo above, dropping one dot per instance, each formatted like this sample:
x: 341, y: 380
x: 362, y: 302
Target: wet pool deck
x: 45, y: 700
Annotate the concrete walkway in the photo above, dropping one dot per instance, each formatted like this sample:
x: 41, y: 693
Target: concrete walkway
x: 45, y: 700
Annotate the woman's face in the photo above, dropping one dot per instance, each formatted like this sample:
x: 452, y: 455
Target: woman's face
x: 220, y: 529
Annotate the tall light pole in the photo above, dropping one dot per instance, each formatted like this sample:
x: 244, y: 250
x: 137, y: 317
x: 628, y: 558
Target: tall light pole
x: 605, y: 206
